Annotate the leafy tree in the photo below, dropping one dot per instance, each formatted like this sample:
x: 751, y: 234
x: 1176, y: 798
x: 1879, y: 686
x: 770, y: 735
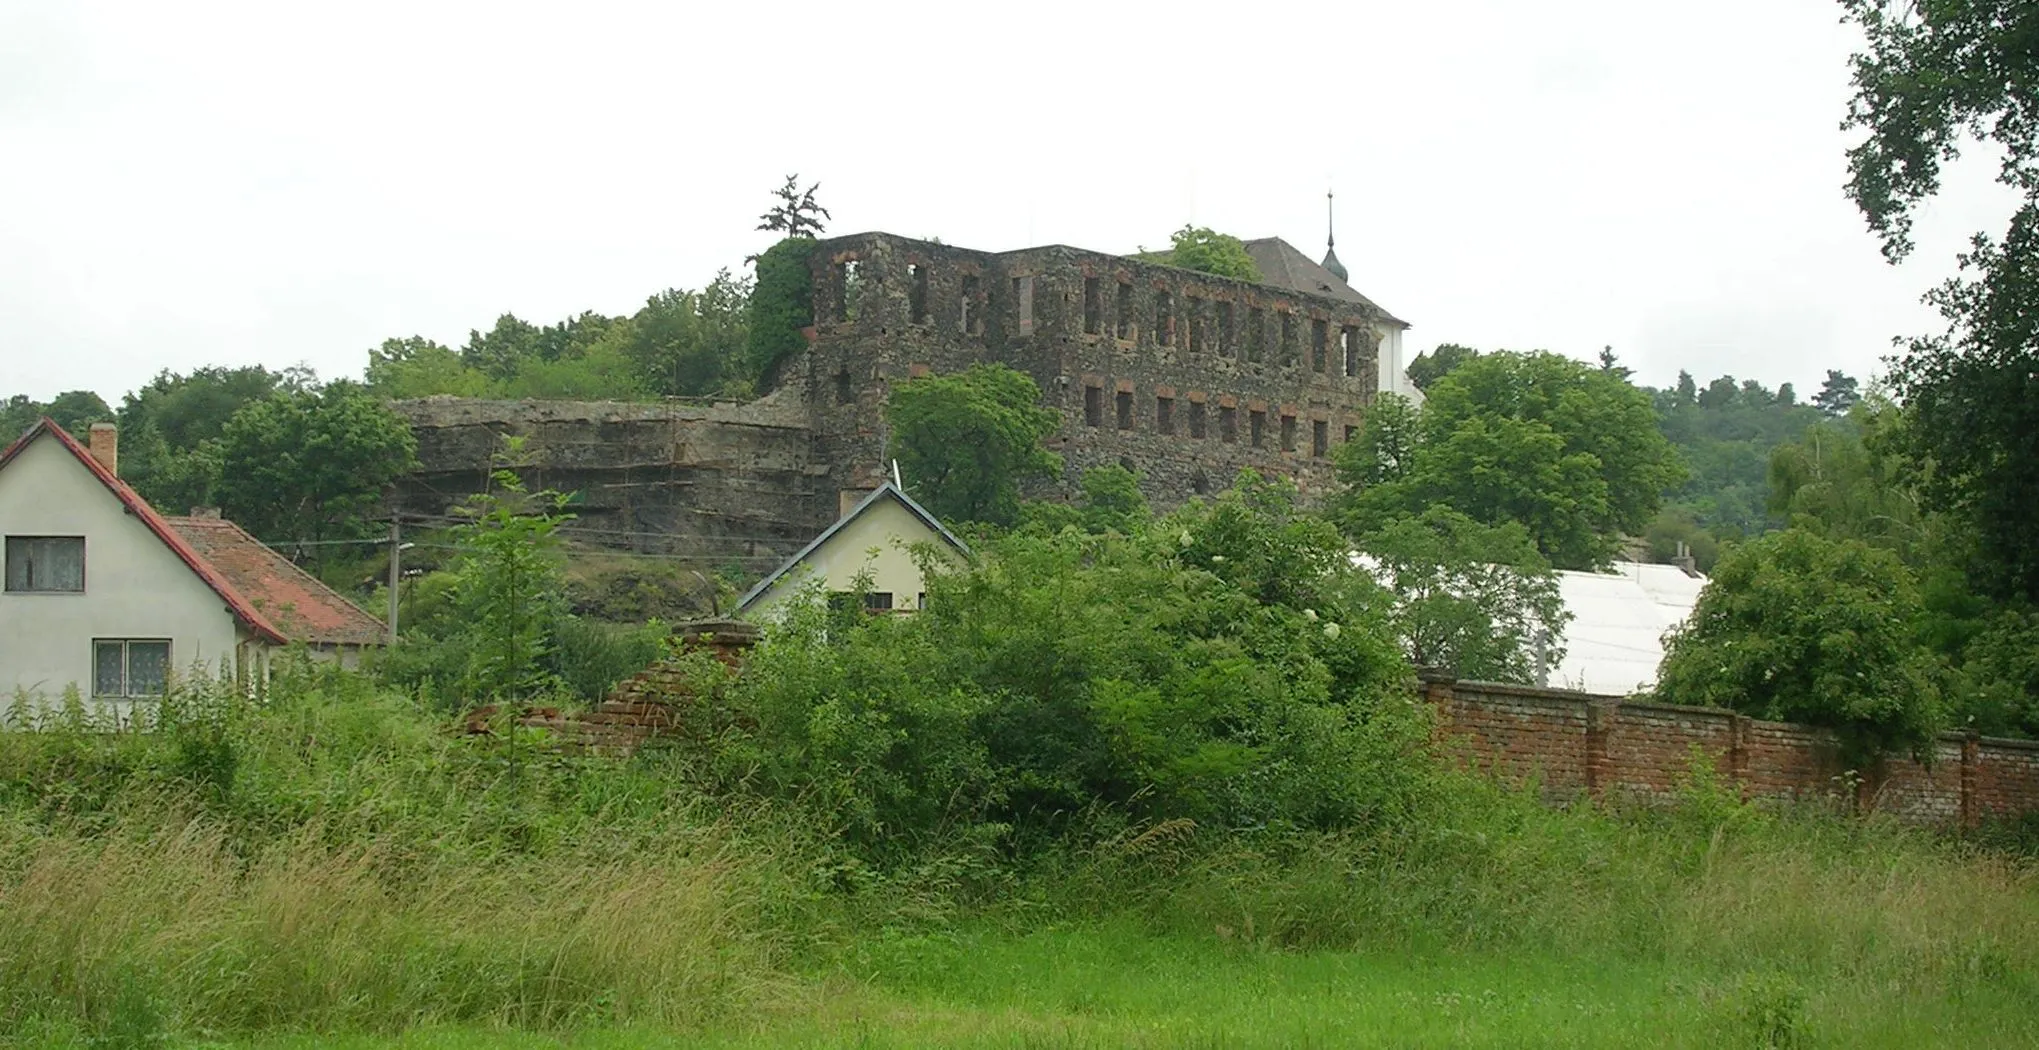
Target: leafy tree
x: 1838, y: 394
x: 1385, y: 448
x: 968, y: 441
x: 1725, y: 436
x: 1428, y: 368
x: 1687, y: 390
x: 1207, y: 251
x: 1112, y: 500
x: 507, y: 588
x: 1676, y: 526
x: 1475, y: 600
x: 796, y: 214
x: 1569, y: 451
x: 1800, y: 628
x: 1933, y: 77
x: 418, y: 367
x: 603, y: 372
x: 74, y: 410
x: 1610, y: 364
x: 308, y: 465
x: 170, y: 428
x: 781, y: 308
x: 498, y: 352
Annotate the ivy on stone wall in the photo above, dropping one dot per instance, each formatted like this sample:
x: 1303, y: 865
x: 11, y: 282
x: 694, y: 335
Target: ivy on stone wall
x: 781, y: 304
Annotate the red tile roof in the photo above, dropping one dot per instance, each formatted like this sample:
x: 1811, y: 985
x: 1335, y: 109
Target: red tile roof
x: 304, y: 609
x: 276, y: 600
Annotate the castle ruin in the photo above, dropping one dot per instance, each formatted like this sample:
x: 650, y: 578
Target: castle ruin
x: 1182, y: 376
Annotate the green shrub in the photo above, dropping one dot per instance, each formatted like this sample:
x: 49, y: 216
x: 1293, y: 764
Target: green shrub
x: 781, y: 304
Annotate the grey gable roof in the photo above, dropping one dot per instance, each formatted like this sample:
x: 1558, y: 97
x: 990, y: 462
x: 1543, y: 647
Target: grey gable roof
x: 1282, y: 266
x: 881, y: 492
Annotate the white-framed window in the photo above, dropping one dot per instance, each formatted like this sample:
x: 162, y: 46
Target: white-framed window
x: 45, y: 564
x: 130, y: 667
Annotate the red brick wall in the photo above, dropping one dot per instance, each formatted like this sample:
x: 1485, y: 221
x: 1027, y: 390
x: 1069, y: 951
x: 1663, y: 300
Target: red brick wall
x: 1577, y: 743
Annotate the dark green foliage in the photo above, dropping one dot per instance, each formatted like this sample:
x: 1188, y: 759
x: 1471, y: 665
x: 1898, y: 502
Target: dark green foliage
x: 1428, y: 368
x: 507, y: 589
x: 1796, y: 627
x: 1207, y: 251
x: 1473, y: 600
x: 967, y: 442
x: 1932, y: 78
x: 796, y: 214
x: 1725, y: 435
x: 1570, y: 452
x: 1838, y: 394
x: 1112, y: 500
x: 781, y: 308
x: 74, y: 410
x: 170, y: 447
x: 311, y: 464
x: 1218, y: 665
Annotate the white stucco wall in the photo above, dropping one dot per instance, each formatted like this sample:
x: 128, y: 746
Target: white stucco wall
x: 135, y: 587
x: 1393, y: 380
x: 878, y: 540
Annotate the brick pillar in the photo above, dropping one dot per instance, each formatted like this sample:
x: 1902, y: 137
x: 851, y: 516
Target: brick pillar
x: 1738, y: 727
x: 1971, y: 761
x: 1599, y: 767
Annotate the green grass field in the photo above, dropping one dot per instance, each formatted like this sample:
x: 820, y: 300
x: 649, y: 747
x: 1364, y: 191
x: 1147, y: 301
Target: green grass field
x: 1111, y: 987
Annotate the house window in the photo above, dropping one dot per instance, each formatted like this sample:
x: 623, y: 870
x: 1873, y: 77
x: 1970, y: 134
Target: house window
x: 1164, y: 319
x: 1256, y: 424
x: 1349, y: 337
x: 1125, y: 410
x: 1288, y: 433
x: 129, y: 667
x: 46, y: 564
x: 877, y: 601
x: 1164, y: 415
x: 1256, y: 334
x: 1196, y: 419
x: 1228, y: 424
x: 1288, y: 340
x: 1125, y: 321
x: 1093, y: 406
x: 1224, y: 328
x: 1319, y: 339
x: 918, y: 299
x: 1320, y: 438
x: 1023, y: 294
x: 1093, y: 306
x: 1194, y: 307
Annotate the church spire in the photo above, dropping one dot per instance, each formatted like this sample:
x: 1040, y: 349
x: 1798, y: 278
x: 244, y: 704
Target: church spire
x: 1331, y: 262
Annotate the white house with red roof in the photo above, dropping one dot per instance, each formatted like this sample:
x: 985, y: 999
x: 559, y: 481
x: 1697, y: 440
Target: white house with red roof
x: 107, y: 596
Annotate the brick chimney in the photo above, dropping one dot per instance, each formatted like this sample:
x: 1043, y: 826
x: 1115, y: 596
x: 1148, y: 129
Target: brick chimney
x: 106, y: 446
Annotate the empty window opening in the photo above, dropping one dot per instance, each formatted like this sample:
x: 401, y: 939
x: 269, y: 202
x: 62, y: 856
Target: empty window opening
x: 1228, y: 424
x: 1196, y: 419
x: 849, y: 288
x: 1125, y: 408
x: 1164, y: 319
x: 1319, y: 345
x: 1128, y: 466
x: 1256, y: 426
x: 45, y: 564
x: 1194, y: 307
x: 1320, y: 438
x: 1288, y: 340
x: 1164, y: 415
x: 1256, y: 334
x: 1200, y: 484
x: 1224, y: 346
x: 1350, y: 433
x: 917, y: 299
x: 125, y: 667
x: 1093, y: 406
x: 1348, y: 338
x: 1093, y: 306
x: 843, y: 394
x: 1288, y: 433
x: 1023, y: 294
x: 971, y: 323
x: 1124, y: 328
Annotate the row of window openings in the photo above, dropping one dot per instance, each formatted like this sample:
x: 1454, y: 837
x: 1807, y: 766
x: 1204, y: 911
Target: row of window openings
x: 970, y: 320
x: 1196, y: 417
x: 1221, y: 338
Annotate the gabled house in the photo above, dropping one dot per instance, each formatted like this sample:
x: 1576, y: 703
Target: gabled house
x: 104, y: 594
x: 875, y: 538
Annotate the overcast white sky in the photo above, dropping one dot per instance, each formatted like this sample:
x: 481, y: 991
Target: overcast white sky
x: 199, y: 182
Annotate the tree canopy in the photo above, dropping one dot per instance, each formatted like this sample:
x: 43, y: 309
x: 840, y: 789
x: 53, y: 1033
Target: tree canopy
x: 966, y: 442
x: 308, y: 464
x: 1570, y: 452
x: 1208, y: 251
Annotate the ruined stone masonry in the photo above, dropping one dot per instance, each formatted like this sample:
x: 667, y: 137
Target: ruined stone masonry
x: 1184, y: 377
